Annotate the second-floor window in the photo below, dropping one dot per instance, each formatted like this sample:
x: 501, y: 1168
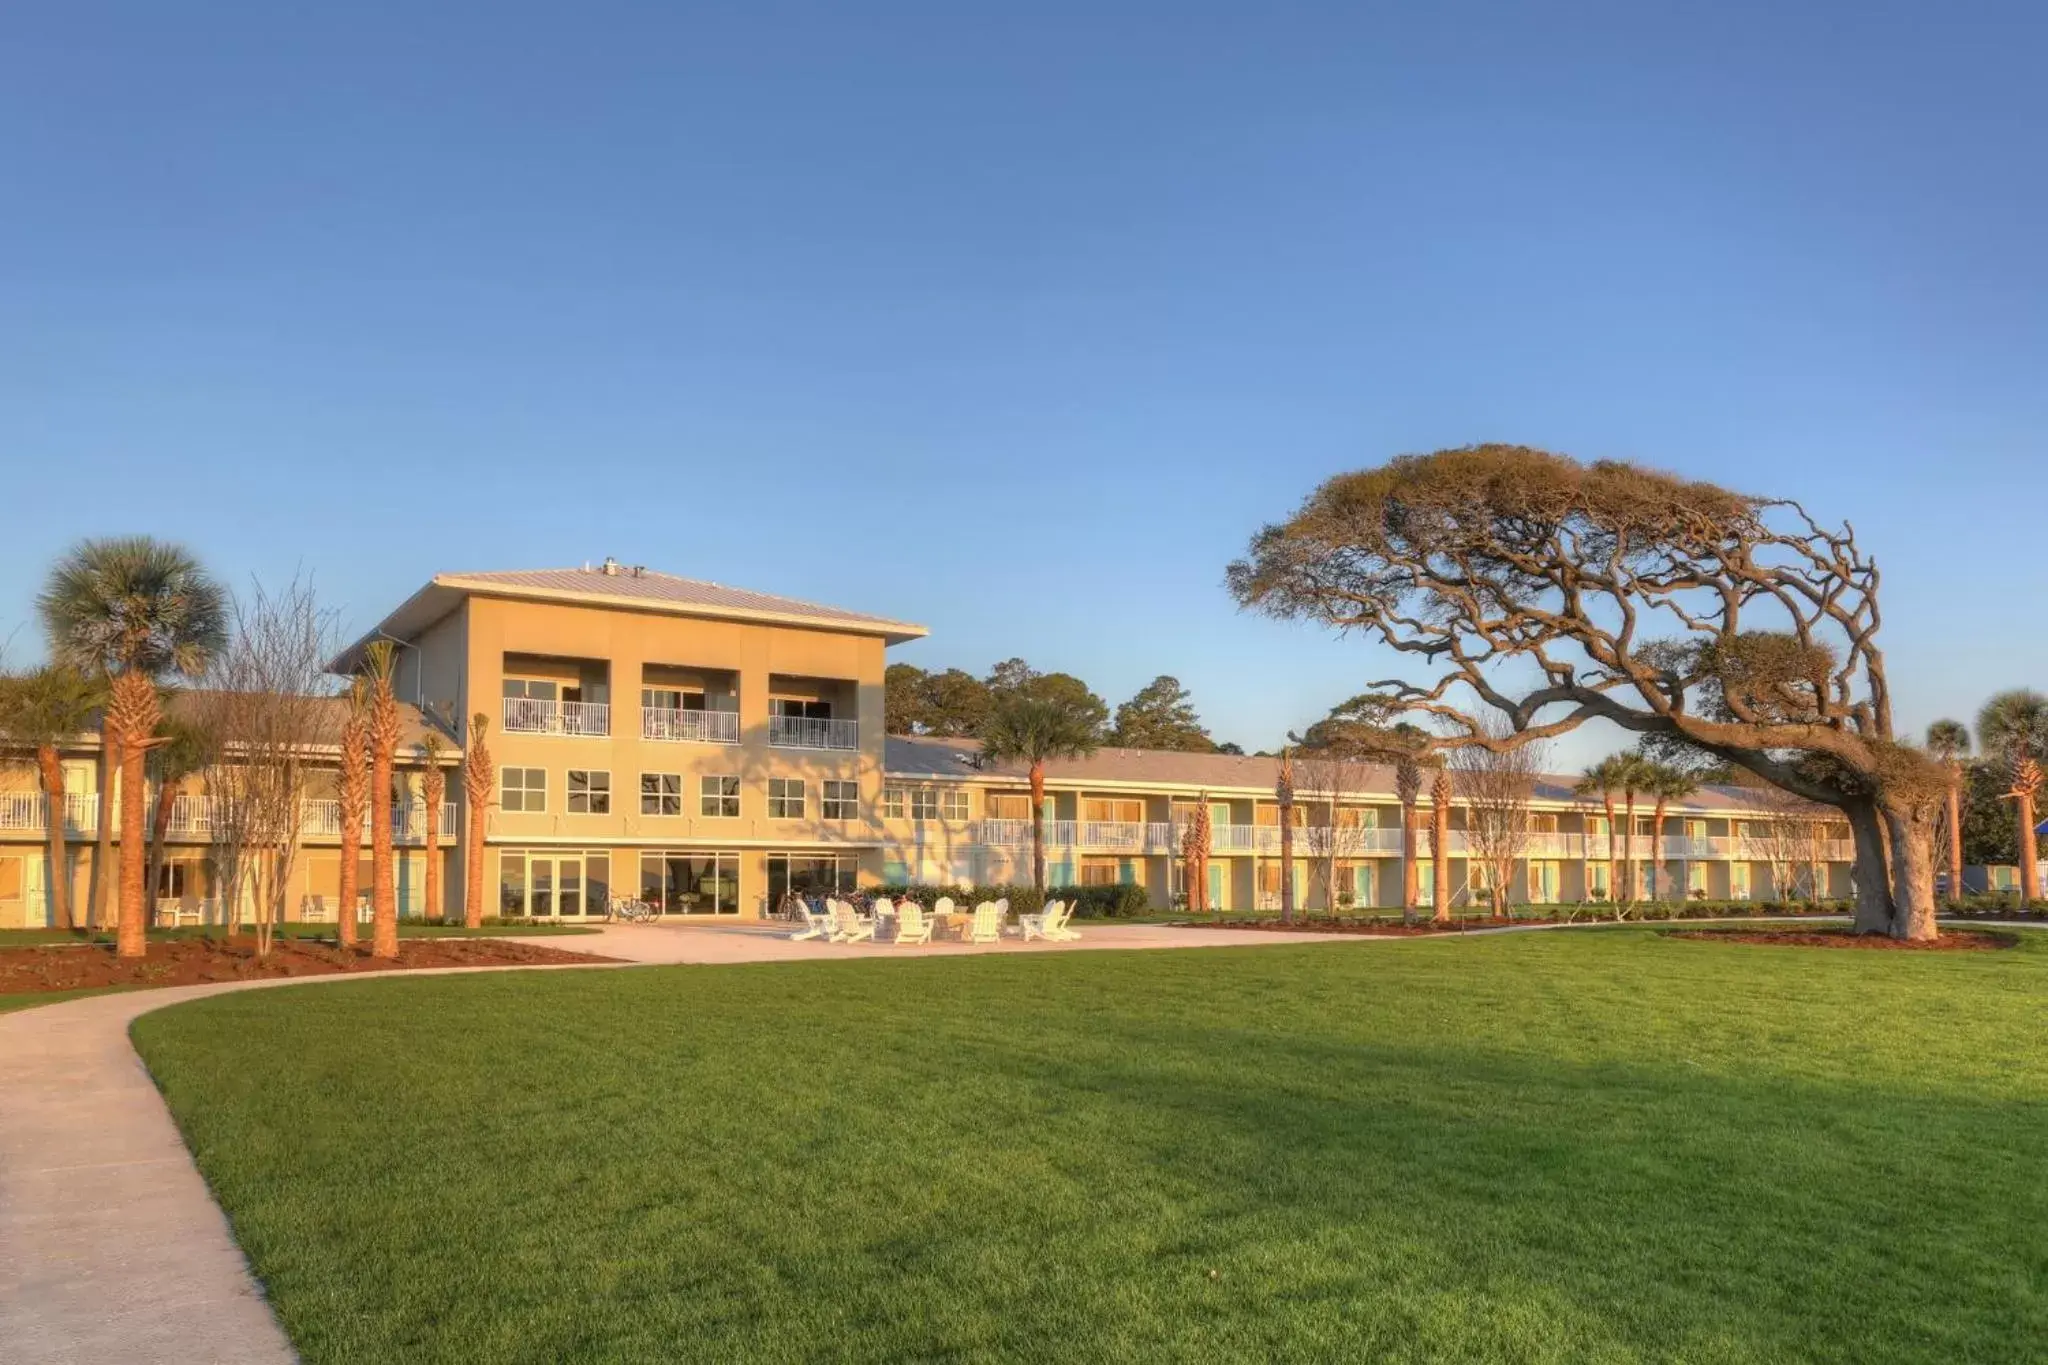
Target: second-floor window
x: 839, y: 800
x: 953, y: 803
x: 523, y: 789
x: 800, y: 708
x: 718, y: 796
x: 661, y: 793
x: 532, y: 689
x: 894, y: 803
x: 924, y: 804
x: 785, y: 798
x: 590, y: 792
x: 671, y: 699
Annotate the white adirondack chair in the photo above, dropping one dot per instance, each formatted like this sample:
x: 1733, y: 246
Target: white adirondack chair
x: 1056, y: 924
x: 911, y: 925
x: 817, y: 924
x: 1034, y: 926
x: 988, y: 924
x: 852, y: 926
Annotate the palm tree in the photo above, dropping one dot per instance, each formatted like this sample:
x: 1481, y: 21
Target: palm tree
x: 379, y: 659
x: 1034, y: 730
x: 1440, y: 845
x: 1949, y: 742
x: 1623, y: 774
x: 352, y: 803
x: 433, y: 784
x: 479, y: 783
x: 182, y: 749
x: 134, y: 611
x: 1667, y: 784
x: 2014, y: 726
x: 40, y: 711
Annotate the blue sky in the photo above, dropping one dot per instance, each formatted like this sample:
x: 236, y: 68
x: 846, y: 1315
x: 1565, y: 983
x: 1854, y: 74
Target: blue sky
x: 1016, y: 320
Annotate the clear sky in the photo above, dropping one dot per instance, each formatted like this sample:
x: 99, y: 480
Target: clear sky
x: 1016, y: 320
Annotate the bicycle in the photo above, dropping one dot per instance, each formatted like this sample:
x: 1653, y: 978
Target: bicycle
x: 631, y: 910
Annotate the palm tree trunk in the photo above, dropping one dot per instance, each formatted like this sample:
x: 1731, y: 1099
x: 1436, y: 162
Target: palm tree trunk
x: 1613, y: 890
x: 2030, y: 861
x: 1955, y: 835
x: 432, y: 881
x: 1628, y: 849
x: 1657, y: 861
x: 1038, y: 827
x: 383, y: 883
x: 99, y: 886
x: 1440, y: 848
x: 52, y: 770
x: 1410, y: 879
x: 350, y: 889
x: 132, y: 715
x: 473, y: 866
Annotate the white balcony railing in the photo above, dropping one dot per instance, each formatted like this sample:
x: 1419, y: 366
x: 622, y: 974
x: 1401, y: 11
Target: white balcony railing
x: 813, y: 732
x: 532, y: 716
x: 696, y: 727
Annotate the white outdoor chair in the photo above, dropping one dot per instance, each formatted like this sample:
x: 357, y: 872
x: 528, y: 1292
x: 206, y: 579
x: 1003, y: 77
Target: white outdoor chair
x: 817, y: 924
x: 1033, y: 926
x: 852, y: 926
x: 1056, y: 921
x: 988, y: 924
x: 943, y: 906
x: 911, y: 925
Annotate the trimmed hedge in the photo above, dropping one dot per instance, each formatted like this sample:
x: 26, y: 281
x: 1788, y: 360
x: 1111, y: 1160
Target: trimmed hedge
x: 1090, y: 902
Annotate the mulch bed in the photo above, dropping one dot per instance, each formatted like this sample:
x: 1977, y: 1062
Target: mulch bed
x: 195, y: 961
x: 1954, y: 941
x: 1395, y: 929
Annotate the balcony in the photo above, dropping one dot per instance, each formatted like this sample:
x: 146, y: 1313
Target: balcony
x: 812, y: 732
x: 693, y: 727
x: 533, y: 716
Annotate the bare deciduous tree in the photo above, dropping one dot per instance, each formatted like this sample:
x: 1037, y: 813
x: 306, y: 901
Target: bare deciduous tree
x: 267, y: 720
x: 1497, y: 786
x: 1790, y: 835
x: 1328, y: 775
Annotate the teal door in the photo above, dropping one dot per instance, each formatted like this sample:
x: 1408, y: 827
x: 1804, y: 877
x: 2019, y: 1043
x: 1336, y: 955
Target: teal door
x: 1361, y: 885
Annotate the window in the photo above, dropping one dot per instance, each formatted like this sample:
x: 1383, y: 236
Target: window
x: 544, y: 883
x: 1002, y: 807
x: 1696, y: 881
x: 800, y: 708
x: 1738, y: 881
x: 785, y: 798
x: 671, y: 699
x: 953, y: 803
x: 894, y: 801
x: 1599, y: 881
x: 661, y: 793
x: 1542, y: 823
x: 1113, y: 812
x: 1545, y: 879
x: 924, y: 804
x: 813, y: 876
x: 691, y: 883
x: 532, y: 689
x: 839, y: 800
x: 170, y: 880
x: 523, y: 789
x: 590, y: 792
x: 718, y: 796
x: 1103, y: 872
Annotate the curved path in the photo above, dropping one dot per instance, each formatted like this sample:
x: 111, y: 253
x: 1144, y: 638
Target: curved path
x: 111, y: 1247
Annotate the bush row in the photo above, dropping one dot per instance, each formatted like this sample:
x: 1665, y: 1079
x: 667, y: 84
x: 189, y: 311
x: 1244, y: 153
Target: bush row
x: 1089, y: 902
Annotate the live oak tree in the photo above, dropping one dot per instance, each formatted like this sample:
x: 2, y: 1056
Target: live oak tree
x: 1550, y: 592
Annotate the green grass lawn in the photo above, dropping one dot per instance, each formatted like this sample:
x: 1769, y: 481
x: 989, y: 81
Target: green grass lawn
x: 35, y: 938
x: 1599, y: 1145
x: 10, y: 1003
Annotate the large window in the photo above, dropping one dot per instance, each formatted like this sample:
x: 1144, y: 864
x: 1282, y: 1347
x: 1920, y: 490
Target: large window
x: 786, y: 798
x: 532, y: 689
x: 661, y: 793
x: 839, y: 800
x: 799, y: 707
x: 671, y: 699
x: 817, y: 876
x: 895, y: 802
x: 590, y: 792
x: 1007, y: 807
x: 546, y: 883
x: 924, y: 804
x: 523, y: 789
x: 1738, y: 881
x: 679, y: 883
x: 718, y: 796
x: 1113, y: 812
x: 953, y: 803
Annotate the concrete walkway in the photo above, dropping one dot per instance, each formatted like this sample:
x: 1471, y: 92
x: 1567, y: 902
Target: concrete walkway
x: 111, y: 1247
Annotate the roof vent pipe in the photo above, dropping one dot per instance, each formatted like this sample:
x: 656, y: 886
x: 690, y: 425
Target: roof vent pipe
x: 610, y: 568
